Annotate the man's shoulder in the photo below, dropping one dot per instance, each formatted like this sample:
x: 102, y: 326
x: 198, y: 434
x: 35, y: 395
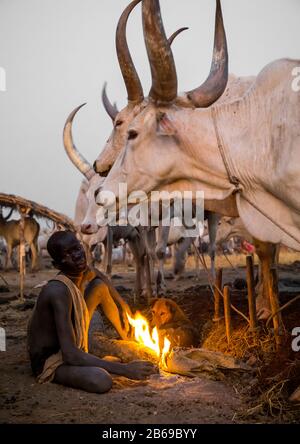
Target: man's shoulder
x: 53, y: 290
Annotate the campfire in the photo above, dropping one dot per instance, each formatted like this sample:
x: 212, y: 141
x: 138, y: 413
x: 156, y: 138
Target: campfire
x: 149, y: 339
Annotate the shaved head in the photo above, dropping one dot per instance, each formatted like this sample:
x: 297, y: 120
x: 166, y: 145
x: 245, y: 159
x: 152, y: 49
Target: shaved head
x: 57, y: 242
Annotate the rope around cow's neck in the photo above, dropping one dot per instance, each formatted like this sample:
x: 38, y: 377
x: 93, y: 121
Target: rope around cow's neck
x: 235, y: 180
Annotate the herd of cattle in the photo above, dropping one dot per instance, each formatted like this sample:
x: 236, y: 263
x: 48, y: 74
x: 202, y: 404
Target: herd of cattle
x: 235, y: 138
x: 121, y: 245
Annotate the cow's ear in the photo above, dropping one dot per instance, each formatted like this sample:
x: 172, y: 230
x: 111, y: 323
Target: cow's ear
x: 165, y: 126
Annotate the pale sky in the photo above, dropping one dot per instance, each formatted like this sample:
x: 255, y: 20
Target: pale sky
x: 58, y: 53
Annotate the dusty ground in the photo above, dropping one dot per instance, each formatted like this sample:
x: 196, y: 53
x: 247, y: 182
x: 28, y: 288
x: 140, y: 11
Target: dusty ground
x: 162, y: 399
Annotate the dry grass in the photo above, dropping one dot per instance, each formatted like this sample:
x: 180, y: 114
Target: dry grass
x: 277, y: 373
x: 244, y: 344
x: 271, y: 394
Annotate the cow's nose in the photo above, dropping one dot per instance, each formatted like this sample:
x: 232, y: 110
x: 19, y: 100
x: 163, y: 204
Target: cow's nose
x: 95, y: 166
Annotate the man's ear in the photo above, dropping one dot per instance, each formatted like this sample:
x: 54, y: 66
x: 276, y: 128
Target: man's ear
x: 165, y: 126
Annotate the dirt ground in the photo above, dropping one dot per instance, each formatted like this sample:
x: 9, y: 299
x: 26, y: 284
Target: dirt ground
x: 165, y: 398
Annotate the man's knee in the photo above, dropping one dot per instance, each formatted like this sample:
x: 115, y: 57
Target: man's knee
x: 99, y: 380
x: 90, y: 379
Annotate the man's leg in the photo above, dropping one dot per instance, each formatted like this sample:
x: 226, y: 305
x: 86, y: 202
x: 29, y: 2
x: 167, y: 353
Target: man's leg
x: 90, y: 379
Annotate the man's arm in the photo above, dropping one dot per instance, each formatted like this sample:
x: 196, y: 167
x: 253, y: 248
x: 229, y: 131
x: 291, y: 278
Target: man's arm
x: 114, y: 294
x: 61, y: 302
x: 115, y: 308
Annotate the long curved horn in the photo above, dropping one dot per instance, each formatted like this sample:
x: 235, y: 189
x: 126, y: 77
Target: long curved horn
x: 74, y: 155
x: 216, y: 82
x: 129, y: 73
x: 110, y: 108
x: 175, y: 34
x: 163, y: 70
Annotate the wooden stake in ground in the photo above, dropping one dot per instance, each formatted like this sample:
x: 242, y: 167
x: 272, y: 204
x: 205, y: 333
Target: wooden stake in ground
x: 251, y: 292
x: 227, y: 312
x: 22, y: 265
x: 217, y: 296
x: 274, y: 302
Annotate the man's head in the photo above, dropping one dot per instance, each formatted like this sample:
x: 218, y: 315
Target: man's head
x: 67, y: 252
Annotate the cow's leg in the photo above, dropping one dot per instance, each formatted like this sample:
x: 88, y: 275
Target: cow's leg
x: 34, y: 256
x: 124, y: 253
x: 135, y: 245
x: 161, y: 283
x: 150, y: 242
x: 266, y: 253
x: 180, y: 257
x: 197, y: 262
x: 212, y: 221
x: 148, y: 274
x: 108, y: 252
x: 8, y: 260
x: 163, y: 235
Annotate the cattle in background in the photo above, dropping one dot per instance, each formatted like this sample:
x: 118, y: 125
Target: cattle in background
x: 10, y: 230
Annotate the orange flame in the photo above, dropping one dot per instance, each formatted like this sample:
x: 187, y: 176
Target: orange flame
x: 143, y: 336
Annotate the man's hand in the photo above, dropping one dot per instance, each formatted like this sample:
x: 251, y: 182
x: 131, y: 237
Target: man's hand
x: 140, y: 369
x: 128, y: 329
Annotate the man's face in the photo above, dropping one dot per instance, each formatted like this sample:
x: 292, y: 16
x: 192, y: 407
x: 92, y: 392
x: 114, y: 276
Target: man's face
x: 73, y: 258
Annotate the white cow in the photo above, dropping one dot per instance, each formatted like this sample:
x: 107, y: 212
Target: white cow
x: 244, y: 153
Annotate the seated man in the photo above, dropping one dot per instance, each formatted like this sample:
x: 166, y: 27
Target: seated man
x: 58, y: 329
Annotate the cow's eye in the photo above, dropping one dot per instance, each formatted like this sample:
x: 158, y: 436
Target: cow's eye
x: 119, y: 123
x: 132, y: 134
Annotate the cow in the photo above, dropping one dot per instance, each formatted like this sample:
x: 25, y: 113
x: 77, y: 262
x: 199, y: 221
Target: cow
x: 138, y: 241
x: 236, y: 87
x: 121, y: 120
x: 191, y: 142
x: 10, y: 230
x: 91, y: 234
